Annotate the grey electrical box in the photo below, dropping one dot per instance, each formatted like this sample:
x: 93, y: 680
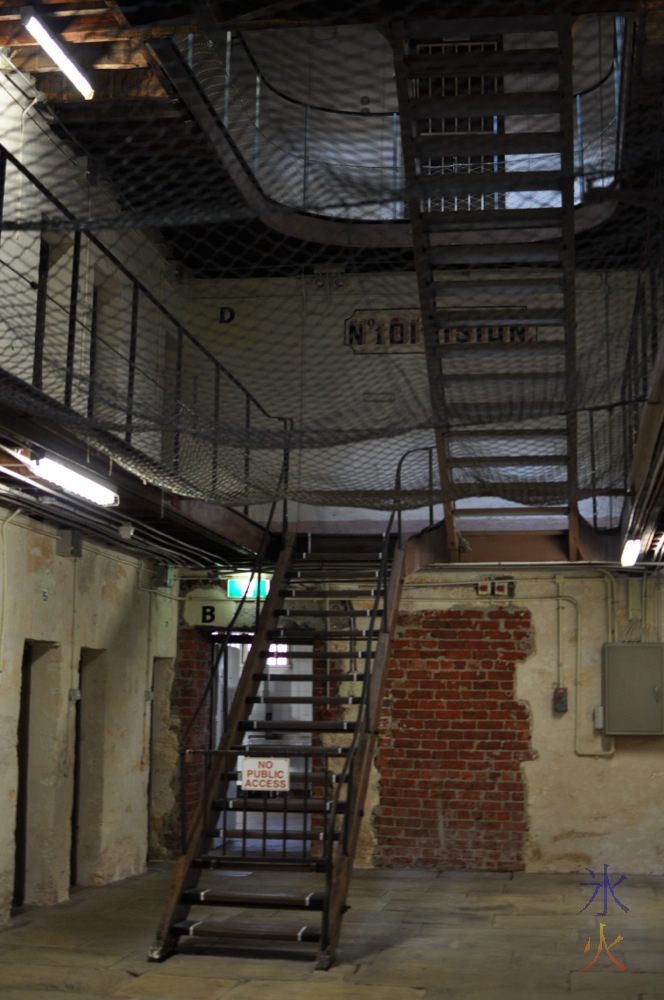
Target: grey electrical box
x: 633, y: 677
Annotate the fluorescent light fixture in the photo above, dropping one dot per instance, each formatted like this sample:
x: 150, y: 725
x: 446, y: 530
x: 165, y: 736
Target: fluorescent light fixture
x: 56, y: 52
x: 630, y: 552
x: 73, y: 482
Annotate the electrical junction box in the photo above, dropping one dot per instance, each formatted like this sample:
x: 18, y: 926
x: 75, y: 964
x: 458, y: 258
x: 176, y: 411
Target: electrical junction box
x: 560, y: 699
x: 632, y: 682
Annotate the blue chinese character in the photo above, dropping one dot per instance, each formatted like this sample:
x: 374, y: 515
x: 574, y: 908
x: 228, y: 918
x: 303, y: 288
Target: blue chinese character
x: 607, y: 887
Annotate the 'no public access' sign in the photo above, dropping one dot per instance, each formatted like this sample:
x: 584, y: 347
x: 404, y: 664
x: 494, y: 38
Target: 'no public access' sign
x: 265, y: 774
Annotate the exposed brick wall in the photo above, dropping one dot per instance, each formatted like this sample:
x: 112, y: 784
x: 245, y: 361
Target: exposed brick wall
x: 192, y: 672
x: 452, y: 794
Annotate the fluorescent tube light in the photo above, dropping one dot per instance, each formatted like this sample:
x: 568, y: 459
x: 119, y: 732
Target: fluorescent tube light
x: 57, y: 53
x: 630, y: 552
x: 73, y: 482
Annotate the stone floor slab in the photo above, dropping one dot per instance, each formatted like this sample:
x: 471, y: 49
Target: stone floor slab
x: 180, y: 987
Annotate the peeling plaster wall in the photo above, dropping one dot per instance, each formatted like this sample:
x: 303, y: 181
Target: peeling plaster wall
x: 582, y: 809
x: 91, y: 626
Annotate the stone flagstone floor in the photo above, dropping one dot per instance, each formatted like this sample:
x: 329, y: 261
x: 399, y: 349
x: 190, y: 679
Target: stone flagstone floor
x: 409, y: 935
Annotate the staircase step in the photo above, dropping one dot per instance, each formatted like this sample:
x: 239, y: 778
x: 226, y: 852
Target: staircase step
x: 435, y: 28
x: 511, y: 511
x: 461, y: 433
x: 538, y: 461
x: 271, y: 901
x: 509, y: 376
x: 322, y: 678
x: 278, y: 837
x: 466, y: 144
x: 488, y: 348
x: 266, y: 932
x: 335, y: 557
x: 297, y: 726
x: 497, y: 253
x: 251, y: 804
x: 332, y: 594
x: 503, y: 62
x: 534, y: 102
x: 327, y: 613
x: 281, y: 749
x: 492, y: 219
x: 332, y: 574
x: 501, y: 316
x: 502, y: 284
x: 212, y: 862
x: 285, y: 635
x: 487, y: 182
x: 314, y: 700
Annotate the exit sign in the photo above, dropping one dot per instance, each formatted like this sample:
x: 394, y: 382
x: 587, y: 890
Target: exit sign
x: 239, y: 587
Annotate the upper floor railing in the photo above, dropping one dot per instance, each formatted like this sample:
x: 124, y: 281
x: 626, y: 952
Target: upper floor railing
x: 88, y: 344
x: 347, y: 164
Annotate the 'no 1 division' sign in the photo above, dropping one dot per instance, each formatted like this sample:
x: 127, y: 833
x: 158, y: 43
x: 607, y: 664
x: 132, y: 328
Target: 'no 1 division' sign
x: 265, y: 774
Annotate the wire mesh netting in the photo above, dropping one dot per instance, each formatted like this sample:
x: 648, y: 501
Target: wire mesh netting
x: 280, y: 247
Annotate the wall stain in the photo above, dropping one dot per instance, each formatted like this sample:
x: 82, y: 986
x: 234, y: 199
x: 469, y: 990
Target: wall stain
x: 575, y: 833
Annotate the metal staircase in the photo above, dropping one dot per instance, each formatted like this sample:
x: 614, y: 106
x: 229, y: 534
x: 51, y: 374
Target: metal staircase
x: 309, y: 695
x: 486, y: 110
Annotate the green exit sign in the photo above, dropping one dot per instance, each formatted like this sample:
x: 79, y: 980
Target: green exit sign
x: 238, y: 587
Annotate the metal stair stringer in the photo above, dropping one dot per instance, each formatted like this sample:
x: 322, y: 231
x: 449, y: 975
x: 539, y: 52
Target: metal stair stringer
x: 330, y: 597
x: 361, y: 761
x: 186, y: 876
x: 491, y: 201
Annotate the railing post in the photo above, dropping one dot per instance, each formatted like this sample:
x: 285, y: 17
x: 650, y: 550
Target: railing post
x: 285, y: 477
x: 73, y: 307
x: 579, y: 140
x: 131, y: 375
x: 305, y: 158
x: 40, y: 316
x: 257, y: 122
x: 3, y: 181
x: 396, y: 147
x: 215, y: 446
x: 227, y: 88
x: 247, y: 449
x: 178, y: 398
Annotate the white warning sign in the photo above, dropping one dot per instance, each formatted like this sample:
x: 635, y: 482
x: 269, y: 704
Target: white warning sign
x: 265, y: 774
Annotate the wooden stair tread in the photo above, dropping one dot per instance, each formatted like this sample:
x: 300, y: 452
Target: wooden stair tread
x: 499, y: 181
x: 328, y: 613
x: 492, y: 219
x: 296, y: 901
x: 265, y: 932
x: 341, y: 594
x: 516, y: 315
x: 535, y: 102
x: 307, y: 637
x: 461, y: 144
x: 260, y: 863
x: 297, y: 725
x: 289, y: 750
x: 503, y: 61
x: 303, y: 700
x: 303, y: 804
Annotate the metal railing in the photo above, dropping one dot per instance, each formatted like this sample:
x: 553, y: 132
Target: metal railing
x: 340, y: 163
x: 125, y: 370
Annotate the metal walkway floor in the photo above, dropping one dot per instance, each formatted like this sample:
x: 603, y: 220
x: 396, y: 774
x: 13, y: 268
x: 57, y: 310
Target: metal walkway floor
x: 410, y: 935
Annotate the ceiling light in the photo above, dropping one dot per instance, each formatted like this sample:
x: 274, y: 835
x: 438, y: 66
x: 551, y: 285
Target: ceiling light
x: 630, y: 552
x: 56, y: 52
x: 73, y: 482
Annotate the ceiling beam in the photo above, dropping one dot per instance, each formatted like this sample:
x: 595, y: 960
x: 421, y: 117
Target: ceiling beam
x: 109, y: 85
